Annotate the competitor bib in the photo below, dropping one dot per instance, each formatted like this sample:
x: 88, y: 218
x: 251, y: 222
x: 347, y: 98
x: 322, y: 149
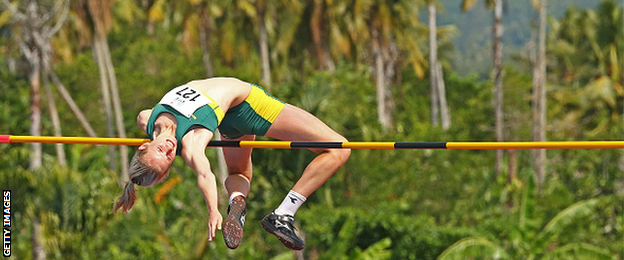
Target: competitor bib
x: 185, y: 100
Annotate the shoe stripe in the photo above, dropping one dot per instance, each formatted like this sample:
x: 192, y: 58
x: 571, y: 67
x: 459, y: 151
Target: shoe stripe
x: 274, y: 224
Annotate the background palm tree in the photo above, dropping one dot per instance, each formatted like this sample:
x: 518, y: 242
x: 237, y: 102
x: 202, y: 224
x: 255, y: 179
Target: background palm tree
x: 497, y: 71
x: 539, y: 94
x: 33, y: 33
x: 98, y: 15
x: 319, y: 32
x: 387, y: 21
x: 595, y: 82
x: 439, y: 107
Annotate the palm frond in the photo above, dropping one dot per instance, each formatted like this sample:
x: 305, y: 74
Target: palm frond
x: 473, y: 247
x: 568, y: 216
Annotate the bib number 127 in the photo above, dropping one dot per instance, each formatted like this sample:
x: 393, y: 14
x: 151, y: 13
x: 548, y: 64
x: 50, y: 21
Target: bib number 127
x: 188, y: 93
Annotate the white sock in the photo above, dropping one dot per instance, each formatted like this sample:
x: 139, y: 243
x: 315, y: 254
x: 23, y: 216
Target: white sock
x: 234, y: 195
x: 290, y: 204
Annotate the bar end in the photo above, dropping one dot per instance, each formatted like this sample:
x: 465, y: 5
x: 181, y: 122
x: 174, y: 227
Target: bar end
x: 5, y: 138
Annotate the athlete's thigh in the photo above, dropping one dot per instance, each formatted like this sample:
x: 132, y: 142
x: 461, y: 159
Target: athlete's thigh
x: 238, y: 160
x: 296, y: 124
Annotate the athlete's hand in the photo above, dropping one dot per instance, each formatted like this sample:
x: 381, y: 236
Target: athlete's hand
x: 214, y: 222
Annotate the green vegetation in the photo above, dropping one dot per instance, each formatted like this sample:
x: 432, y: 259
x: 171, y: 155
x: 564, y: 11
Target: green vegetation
x: 395, y: 204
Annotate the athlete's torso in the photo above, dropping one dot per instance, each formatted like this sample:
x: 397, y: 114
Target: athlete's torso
x: 227, y: 92
x: 206, y: 103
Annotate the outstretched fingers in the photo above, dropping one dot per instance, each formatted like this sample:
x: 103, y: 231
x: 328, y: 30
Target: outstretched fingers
x: 215, y: 222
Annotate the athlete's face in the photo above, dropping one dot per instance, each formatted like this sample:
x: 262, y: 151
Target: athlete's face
x: 160, y: 152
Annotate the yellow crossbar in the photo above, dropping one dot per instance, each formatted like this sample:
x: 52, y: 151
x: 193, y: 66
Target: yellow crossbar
x: 337, y: 145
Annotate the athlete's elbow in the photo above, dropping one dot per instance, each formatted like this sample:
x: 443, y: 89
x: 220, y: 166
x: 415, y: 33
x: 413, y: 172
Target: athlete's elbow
x: 143, y: 117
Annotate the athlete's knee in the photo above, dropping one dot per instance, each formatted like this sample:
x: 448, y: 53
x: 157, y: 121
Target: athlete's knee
x: 344, y: 154
x: 340, y: 155
x: 239, y: 175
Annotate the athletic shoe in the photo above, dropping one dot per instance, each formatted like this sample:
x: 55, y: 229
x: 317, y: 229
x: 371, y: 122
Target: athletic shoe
x: 233, y: 227
x: 282, y: 227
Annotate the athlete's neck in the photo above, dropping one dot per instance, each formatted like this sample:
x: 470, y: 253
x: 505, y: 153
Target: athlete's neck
x: 165, y: 124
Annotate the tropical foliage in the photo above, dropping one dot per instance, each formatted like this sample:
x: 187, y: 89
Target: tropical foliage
x: 383, y: 204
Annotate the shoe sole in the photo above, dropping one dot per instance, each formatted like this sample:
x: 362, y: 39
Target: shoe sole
x: 288, y: 242
x: 232, y: 228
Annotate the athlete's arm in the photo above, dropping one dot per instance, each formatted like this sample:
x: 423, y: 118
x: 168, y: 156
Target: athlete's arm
x: 142, y: 119
x: 193, y: 151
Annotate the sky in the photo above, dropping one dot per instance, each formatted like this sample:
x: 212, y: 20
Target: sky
x: 472, y: 44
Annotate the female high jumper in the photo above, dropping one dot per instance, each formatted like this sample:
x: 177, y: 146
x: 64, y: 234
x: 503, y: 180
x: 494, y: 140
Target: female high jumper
x: 183, y: 123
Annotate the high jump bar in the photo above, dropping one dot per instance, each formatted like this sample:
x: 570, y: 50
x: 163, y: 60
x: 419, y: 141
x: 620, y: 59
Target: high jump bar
x: 336, y: 145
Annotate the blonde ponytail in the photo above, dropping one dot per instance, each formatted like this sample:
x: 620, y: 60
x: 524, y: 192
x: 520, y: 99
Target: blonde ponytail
x: 141, y: 174
x: 127, y: 199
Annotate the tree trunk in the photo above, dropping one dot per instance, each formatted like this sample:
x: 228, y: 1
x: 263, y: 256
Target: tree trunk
x: 204, y: 34
x: 498, y: 80
x: 119, y: 121
x: 383, y: 113
x: 439, y: 107
x: 38, y: 241
x: 325, y: 62
x: 105, y: 90
x: 264, y: 44
x: 32, y: 47
x: 35, y: 113
x: 433, y: 61
x: 512, y: 174
x: 539, y: 97
x: 445, y: 113
x: 56, y: 122
x: 315, y: 28
x: 101, y: 17
x: 512, y: 165
x: 35, y: 45
x: 72, y: 105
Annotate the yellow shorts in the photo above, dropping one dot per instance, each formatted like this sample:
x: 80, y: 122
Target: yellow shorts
x: 253, y: 116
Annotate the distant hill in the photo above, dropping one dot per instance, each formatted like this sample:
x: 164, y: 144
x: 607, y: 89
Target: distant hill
x: 473, y: 44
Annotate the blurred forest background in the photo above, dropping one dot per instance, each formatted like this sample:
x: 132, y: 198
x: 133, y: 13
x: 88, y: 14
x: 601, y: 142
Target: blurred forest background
x: 382, y: 70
